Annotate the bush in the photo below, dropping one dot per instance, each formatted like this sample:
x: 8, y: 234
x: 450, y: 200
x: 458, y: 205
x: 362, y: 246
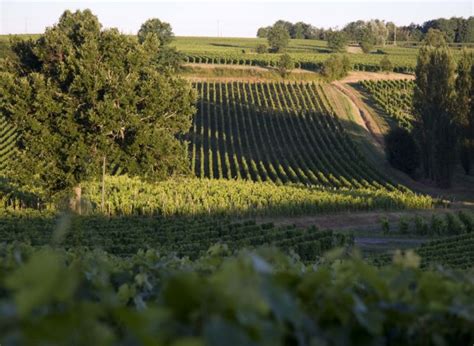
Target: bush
x: 278, y: 38
x: 336, y: 67
x: 337, y: 41
x: 261, y: 48
x: 386, y: 65
x: 401, y: 150
x: 285, y: 64
x: 366, y: 46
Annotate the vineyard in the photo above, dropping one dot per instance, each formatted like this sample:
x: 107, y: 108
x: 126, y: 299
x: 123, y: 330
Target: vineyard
x: 132, y: 196
x: 307, y: 61
x: 278, y: 132
x: 7, y: 142
x: 456, y: 252
x: 90, y: 297
x: 184, y: 237
x: 394, y: 97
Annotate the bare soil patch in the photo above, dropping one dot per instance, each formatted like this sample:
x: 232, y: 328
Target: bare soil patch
x: 354, y: 50
x: 242, y: 67
x: 357, y: 76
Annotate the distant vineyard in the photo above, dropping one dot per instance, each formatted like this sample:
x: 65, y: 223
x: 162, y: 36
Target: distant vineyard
x: 7, y: 142
x: 308, y: 61
x: 453, y: 245
x: 394, y: 97
x: 456, y: 251
x: 191, y: 237
x: 279, y: 132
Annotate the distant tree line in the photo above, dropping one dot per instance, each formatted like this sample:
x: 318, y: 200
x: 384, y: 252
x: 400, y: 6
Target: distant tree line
x: 455, y: 30
x: 299, y: 30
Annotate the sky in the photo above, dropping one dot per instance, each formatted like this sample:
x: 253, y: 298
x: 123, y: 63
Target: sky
x: 225, y: 18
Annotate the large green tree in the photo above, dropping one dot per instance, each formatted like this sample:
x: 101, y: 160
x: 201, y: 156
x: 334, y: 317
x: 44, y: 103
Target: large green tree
x: 337, y: 41
x: 278, y: 38
x: 434, y: 114
x: 79, y: 94
x: 155, y: 26
x: 464, y: 112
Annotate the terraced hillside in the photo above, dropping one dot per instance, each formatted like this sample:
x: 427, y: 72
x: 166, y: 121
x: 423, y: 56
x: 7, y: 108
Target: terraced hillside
x: 7, y: 142
x: 280, y: 132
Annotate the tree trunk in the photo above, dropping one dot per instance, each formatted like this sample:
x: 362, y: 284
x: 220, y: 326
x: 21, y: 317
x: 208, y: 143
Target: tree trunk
x: 76, y: 199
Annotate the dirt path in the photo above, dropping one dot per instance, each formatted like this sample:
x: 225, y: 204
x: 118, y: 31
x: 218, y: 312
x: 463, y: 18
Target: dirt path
x: 357, y: 76
x: 364, y: 112
x: 242, y: 67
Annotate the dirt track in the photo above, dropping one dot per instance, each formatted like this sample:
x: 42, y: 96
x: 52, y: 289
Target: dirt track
x: 357, y: 76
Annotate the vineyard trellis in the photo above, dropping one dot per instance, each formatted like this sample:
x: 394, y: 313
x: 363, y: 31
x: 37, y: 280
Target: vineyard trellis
x: 278, y: 132
x: 395, y: 97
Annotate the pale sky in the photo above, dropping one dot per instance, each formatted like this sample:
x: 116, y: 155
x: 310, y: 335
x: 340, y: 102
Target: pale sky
x: 229, y: 18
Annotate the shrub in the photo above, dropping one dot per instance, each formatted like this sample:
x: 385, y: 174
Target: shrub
x: 386, y: 65
x: 403, y: 226
x: 285, y: 64
x: 337, y: 41
x: 337, y: 66
x: 261, y: 48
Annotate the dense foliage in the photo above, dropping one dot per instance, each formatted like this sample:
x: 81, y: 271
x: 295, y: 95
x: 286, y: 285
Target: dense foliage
x: 156, y: 27
x: 79, y: 95
x: 337, y: 66
x: 402, y: 151
x: 433, y: 105
x: 50, y: 296
x: 465, y: 109
x: 8, y: 136
x: 285, y: 65
x: 337, y: 41
x: 278, y: 38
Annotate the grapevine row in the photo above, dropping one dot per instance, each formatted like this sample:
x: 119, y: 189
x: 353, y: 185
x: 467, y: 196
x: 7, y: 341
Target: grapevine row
x: 278, y: 132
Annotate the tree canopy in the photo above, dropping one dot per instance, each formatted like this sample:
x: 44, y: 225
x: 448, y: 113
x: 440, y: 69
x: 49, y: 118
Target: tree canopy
x: 79, y: 94
x: 155, y: 26
x: 433, y: 103
x: 278, y: 38
x: 337, y: 41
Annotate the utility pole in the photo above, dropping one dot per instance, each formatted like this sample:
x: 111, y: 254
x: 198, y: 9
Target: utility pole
x: 218, y: 28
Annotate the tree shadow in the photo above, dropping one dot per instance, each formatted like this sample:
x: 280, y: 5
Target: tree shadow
x: 235, y: 138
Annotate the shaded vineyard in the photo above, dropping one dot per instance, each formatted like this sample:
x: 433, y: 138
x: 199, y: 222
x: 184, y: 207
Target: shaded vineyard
x: 279, y: 132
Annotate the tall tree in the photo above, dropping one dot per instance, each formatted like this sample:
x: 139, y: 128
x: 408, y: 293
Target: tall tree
x: 434, y: 115
x: 464, y: 112
x: 79, y: 94
x: 155, y: 26
x: 278, y: 38
x: 337, y: 41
